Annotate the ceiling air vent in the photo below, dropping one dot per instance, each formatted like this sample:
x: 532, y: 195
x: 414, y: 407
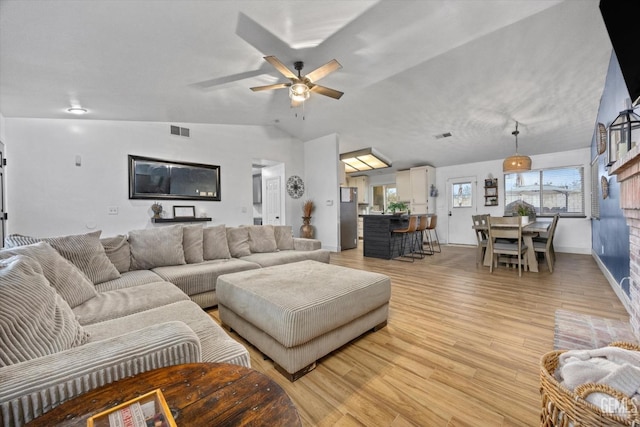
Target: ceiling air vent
x: 177, y: 130
x: 442, y: 135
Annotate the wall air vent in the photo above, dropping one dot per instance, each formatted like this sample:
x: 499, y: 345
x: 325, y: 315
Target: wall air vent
x: 442, y: 135
x: 177, y: 130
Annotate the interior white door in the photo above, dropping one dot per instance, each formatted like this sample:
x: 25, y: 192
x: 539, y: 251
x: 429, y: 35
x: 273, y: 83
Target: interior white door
x: 272, y: 201
x: 462, y: 201
x: 3, y: 209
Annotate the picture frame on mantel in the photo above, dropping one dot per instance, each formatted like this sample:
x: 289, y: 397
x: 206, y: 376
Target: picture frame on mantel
x: 184, y: 211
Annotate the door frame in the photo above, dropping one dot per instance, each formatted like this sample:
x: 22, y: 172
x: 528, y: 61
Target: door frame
x: 472, y: 210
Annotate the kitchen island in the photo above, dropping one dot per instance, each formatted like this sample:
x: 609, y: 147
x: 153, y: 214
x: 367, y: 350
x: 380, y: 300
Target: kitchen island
x: 377, y: 235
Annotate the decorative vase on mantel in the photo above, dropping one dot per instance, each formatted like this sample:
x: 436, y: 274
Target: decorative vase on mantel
x: 306, y: 229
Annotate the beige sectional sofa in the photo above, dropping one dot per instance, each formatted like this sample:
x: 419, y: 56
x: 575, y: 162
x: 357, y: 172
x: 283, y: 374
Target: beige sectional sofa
x: 78, y: 312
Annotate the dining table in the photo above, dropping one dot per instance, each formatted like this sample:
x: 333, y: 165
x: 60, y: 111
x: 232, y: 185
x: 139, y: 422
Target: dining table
x: 529, y: 231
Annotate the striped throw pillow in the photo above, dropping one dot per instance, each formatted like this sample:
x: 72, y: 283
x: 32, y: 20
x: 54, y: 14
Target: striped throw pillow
x: 34, y: 320
x: 84, y: 250
x: 72, y: 285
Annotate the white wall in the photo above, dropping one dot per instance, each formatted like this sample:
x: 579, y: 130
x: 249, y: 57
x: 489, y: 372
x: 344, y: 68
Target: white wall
x: 322, y: 182
x: 2, y: 135
x: 48, y: 195
x: 572, y: 234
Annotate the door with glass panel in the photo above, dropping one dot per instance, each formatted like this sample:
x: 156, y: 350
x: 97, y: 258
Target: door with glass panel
x: 461, y: 196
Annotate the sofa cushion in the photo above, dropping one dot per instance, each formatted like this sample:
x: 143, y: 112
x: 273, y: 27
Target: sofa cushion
x: 122, y: 302
x: 238, y: 239
x: 198, y: 278
x: 192, y: 241
x: 284, y: 237
x: 34, y: 320
x: 118, y: 251
x: 84, y: 250
x: 269, y: 259
x: 215, y: 245
x: 216, y: 344
x: 72, y: 285
x: 262, y: 239
x: 128, y: 280
x: 156, y: 247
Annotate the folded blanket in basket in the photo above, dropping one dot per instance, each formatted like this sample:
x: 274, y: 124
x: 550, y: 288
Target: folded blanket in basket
x: 616, y: 367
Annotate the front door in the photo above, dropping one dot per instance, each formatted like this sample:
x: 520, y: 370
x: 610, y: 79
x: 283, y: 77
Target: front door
x: 272, y: 201
x: 462, y: 199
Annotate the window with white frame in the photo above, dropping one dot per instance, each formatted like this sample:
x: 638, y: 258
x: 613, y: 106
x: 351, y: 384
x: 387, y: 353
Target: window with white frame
x: 549, y: 191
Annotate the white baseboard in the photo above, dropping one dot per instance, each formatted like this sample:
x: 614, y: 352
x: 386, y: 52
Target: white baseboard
x: 624, y: 298
x: 572, y: 250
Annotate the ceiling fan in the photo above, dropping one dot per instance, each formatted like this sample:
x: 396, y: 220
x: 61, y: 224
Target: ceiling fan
x: 300, y: 87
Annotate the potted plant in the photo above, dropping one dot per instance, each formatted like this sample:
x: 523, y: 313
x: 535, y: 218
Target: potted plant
x: 397, y: 206
x: 523, y: 211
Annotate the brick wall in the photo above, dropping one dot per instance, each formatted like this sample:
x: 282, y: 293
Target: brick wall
x: 627, y: 170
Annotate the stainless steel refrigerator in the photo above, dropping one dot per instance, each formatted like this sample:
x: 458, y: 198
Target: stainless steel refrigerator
x: 348, y: 217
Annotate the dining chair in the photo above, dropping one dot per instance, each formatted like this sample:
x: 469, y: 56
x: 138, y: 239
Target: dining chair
x: 506, y: 228
x: 481, y: 227
x: 546, y: 246
x: 433, y: 222
x: 402, y: 235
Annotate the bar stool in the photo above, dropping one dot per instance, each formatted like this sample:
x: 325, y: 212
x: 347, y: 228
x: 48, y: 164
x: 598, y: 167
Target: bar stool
x: 423, y: 223
x: 432, y: 227
x: 404, y: 234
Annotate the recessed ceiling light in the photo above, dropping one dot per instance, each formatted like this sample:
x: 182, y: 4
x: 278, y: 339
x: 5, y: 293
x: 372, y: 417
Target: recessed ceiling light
x: 77, y: 110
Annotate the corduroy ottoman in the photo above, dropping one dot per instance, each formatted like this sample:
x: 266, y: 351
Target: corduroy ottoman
x: 299, y: 312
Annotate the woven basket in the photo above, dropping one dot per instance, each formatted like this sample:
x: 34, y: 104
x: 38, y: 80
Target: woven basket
x: 562, y: 407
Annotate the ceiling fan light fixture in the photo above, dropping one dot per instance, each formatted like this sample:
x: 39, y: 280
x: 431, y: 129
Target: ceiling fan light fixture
x: 364, y: 160
x: 299, y: 92
x: 517, y: 162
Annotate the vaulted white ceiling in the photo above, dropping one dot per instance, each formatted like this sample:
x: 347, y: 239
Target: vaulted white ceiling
x: 411, y: 69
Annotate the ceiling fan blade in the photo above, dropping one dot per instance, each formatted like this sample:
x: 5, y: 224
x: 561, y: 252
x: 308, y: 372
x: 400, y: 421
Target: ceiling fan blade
x: 324, y: 70
x: 262, y: 39
x: 269, y: 87
x: 232, y: 78
x: 322, y: 90
x: 280, y: 67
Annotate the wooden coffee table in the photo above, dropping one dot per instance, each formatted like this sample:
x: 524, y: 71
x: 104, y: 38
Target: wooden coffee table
x: 199, y: 394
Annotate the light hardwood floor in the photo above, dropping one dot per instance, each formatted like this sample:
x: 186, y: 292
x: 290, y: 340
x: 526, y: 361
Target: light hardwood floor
x: 462, y: 346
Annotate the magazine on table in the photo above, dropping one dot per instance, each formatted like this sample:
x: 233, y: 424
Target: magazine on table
x: 148, y: 410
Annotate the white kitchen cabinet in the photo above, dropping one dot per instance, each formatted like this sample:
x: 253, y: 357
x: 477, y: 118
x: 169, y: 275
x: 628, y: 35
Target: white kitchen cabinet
x: 403, y: 185
x: 422, y: 178
x: 362, y: 184
x: 360, y: 227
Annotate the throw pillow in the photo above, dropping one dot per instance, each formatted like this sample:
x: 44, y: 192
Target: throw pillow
x: 215, y: 245
x: 34, y: 320
x: 87, y: 253
x: 238, y: 239
x: 284, y: 237
x: 262, y: 239
x: 192, y: 243
x: 15, y: 240
x: 118, y: 251
x: 156, y: 247
x: 71, y: 283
